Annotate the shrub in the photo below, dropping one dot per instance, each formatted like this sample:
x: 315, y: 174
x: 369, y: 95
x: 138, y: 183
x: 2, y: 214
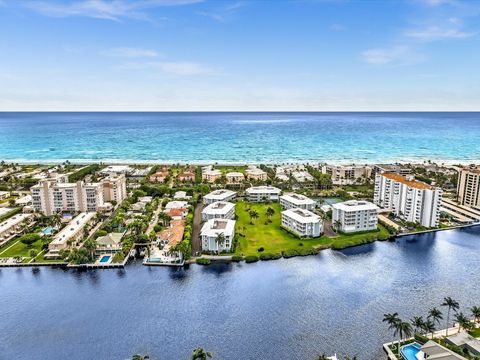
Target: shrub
x: 157, y: 228
x: 237, y: 258
x: 251, y: 259
x: 420, y: 338
x: 29, y: 239
x: 203, y: 261
x: 101, y: 233
x: 270, y: 256
x: 260, y: 249
x: 300, y: 244
x: 290, y: 253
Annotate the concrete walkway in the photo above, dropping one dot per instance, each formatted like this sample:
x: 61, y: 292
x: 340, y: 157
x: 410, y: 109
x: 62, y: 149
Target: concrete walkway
x: 197, y: 223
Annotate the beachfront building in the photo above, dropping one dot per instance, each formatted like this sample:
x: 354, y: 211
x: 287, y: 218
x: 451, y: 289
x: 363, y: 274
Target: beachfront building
x: 219, y: 210
x: 110, y: 243
x: 468, y: 188
x: 13, y: 225
x: 396, y: 168
x: 117, y: 169
x: 210, y: 234
x: 347, y: 175
x: 70, y: 235
x: 255, y: 173
x: 219, y: 195
x: 235, y: 178
x: 292, y: 200
x: 263, y: 193
x: 355, y: 215
x: 52, y: 196
x: 210, y: 175
x: 411, y: 200
x: 115, y: 188
x: 302, y: 222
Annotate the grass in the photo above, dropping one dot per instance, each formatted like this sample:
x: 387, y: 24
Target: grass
x: 273, y: 239
x: 475, y: 333
x: 20, y: 249
x: 231, y: 168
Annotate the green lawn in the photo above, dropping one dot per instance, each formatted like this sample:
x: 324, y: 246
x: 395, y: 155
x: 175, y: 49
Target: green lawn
x: 231, y: 168
x: 275, y: 240
x: 475, y: 333
x: 19, y: 249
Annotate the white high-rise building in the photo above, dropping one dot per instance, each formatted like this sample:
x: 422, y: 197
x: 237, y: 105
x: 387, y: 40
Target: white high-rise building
x: 410, y: 199
x: 302, y: 222
x: 353, y: 216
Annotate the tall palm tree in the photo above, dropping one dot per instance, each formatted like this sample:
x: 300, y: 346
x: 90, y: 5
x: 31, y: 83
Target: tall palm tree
x: 475, y: 310
x: 140, y: 357
x: 452, y: 305
x: 391, y: 319
x: 219, y: 240
x: 435, y: 315
x: 270, y: 211
x: 417, y: 323
x: 337, y: 224
x: 253, y: 215
x: 404, y: 330
x: 322, y: 357
x: 463, y: 322
x: 429, y: 327
x: 200, y: 354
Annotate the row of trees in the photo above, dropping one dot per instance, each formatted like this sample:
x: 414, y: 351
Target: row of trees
x: 405, y: 329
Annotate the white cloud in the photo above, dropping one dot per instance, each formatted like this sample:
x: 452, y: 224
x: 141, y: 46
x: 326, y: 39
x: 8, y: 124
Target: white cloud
x: 222, y: 14
x: 126, y: 52
x: 396, y: 55
x: 103, y: 9
x: 433, y: 33
x: 179, y: 68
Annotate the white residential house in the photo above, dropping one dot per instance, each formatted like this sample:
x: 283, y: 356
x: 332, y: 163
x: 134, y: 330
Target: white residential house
x: 73, y: 232
x: 176, y: 204
x: 210, y: 231
x: 219, y: 195
x: 355, y: 215
x: 181, y: 195
x: 263, y: 193
x: 409, y: 199
x: 110, y: 243
x: 219, y: 210
x: 302, y: 222
x: 292, y: 200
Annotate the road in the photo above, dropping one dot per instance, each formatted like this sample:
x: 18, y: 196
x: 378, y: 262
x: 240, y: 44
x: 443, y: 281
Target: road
x: 197, y: 222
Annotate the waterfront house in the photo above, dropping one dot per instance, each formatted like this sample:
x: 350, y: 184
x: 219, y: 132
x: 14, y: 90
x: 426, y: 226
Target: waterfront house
x: 219, y: 195
x: 173, y: 234
x: 432, y: 350
x: 292, y: 200
x: 465, y: 341
x: 219, y: 210
x: 263, y: 193
x: 355, y: 215
x: 110, y: 243
x: 302, y: 222
x: 211, y: 230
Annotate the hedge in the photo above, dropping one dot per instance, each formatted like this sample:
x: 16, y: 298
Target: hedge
x: 270, y: 256
x: 80, y: 174
x: 420, y: 338
x: 203, y: 261
x: 237, y: 258
x: 251, y: 259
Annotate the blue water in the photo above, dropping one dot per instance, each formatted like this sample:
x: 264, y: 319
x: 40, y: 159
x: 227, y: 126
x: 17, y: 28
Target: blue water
x: 409, y: 351
x: 290, y: 309
x: 239, y: 137
x: 104, y: 259
x: 48, y: 231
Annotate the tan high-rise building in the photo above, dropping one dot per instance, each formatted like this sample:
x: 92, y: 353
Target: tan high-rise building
x: 468, y: 188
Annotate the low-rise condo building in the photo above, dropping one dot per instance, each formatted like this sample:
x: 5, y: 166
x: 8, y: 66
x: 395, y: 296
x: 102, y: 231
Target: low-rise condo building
x: 210, y: 234
x: 263, y: 193
x: 219, y: 195
x: 347, y: 175
x: 160, y: 176
x: 292, y: 200
x: 255, y: 173
x: 411, y: 200
x: 219, y: 210
x: 355, y: 215
x: 115, y: 188
x: 187, y: 176
x: 235, y: 178
x: 52, y: 196
x: 13, y: 225
x: 210, y: 175
x: 302, y: 222
x: 72, y: 234
x: 468, y: 188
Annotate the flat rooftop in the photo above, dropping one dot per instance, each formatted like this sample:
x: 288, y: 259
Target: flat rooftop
x: 412, y: 183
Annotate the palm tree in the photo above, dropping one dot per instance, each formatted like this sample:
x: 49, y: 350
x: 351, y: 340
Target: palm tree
x: 200, y: 354
x: 91, y: 246
x: 404, y: 330
x: 428, y: 327
x: 322, y: 357
x: 417, y: 323
x: 463, y: 322
x: 219, y: 240
x: 451, y: 304
x: 337, y: 224
x: 253, y: 215
x: 391, y: 320
x: 475, y: 310
x: 435, y: 315
x: 270, y: 211
x: 140, y: 357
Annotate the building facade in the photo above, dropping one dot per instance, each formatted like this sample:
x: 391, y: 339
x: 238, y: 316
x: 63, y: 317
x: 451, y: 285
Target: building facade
x: 468, y: 188
x: 409, y: 199
x: 235, y: 178
x: 211, y: 175
x: 219, y: 195
x: 302, y: 222
x: 353, y: 216
x: 292, y: 200
x: 263, y: 193
x: 219, y: 210
x: 255, y: 173
x: 347, y: 175
x: 115, y: 188
x: 210, y: 234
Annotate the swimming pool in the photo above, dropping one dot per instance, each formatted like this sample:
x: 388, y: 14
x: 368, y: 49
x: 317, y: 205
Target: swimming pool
x: 105, y: 259
x: 410, y: 351
x: 48, y: 231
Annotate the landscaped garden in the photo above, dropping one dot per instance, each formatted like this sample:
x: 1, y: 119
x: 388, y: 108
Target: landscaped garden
x: 260, y: 233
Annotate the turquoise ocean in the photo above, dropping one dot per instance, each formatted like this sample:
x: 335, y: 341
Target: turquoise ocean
x: 239, y: 137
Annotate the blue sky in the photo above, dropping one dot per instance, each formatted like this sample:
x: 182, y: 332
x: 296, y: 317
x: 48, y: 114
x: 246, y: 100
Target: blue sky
x: 187, y: 55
